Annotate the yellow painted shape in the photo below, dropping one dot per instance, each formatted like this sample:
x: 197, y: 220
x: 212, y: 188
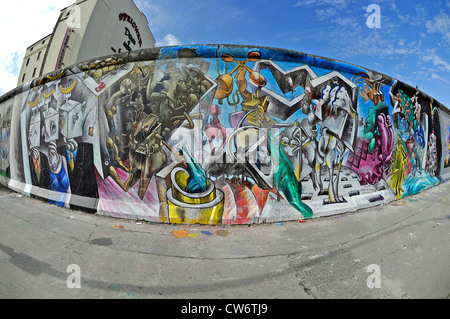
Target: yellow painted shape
x: 206, y: 216
x: 306, y: 144
x: 33, y: 104
x: 69, y: 89
x: 46, y: 96
x: 181, y: 179
x: 53, y: 78
x: 297, y: 172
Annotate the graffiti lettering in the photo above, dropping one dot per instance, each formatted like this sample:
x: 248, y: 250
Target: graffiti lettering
x: 127, y: 46
x: 128, y: 34
x: 127, y: 18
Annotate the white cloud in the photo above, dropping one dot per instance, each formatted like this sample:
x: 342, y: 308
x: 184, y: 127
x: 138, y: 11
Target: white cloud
x: 437, y: 61
x: 440, y: 24
x: 416, y: 18
x: 435, y: 76
x: 156, y: 15
x: 347, y: 22
x: 303, y: 3
x: 324, y: 14
x: 24, y: 22
x: 168, y: 40
x: 336, y: 3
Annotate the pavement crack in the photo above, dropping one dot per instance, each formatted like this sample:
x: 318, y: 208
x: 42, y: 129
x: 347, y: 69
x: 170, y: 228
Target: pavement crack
x: 90, y: 235
x: 301, y: 281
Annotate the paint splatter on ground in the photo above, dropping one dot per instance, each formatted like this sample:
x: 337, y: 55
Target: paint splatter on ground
x: 401, y: 203
x: 180, y: 233
x: 222, y: 233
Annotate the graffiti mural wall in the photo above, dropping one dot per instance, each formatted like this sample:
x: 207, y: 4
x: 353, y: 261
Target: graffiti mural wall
x: 445, y: 141
x: 216, y: 135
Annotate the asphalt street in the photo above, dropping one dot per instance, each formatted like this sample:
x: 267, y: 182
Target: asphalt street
x: 397, y: 251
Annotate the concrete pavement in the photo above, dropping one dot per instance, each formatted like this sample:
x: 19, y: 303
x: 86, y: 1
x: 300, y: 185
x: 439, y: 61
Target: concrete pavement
x: 405, y: 242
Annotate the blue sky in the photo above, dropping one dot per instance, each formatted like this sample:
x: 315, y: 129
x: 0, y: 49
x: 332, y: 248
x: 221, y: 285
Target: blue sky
x: 412, y: 43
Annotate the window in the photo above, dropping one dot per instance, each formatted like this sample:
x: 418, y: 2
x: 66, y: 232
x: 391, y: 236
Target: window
x: 28, y: 61
x: 34, y: 72
x: 43, y: 42
x: 23, y: 77
x: 31, y: 49
x: 39, y: 55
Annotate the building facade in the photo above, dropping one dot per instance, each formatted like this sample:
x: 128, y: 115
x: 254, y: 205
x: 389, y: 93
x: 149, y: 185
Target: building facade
x: 85, y: 30
x: 33, y: 61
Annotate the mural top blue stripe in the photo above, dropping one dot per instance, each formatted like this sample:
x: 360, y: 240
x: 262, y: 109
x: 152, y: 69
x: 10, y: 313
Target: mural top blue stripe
x: 210, y: 51
x: 240, y: 52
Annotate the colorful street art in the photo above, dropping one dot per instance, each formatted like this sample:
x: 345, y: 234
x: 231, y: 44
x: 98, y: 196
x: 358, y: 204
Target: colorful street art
x: 446, y: 141
x: 221, y: 135
x: 5, y: 125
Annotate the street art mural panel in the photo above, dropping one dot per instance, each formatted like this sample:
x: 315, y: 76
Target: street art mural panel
x: 58, y: 121
x: 445, y: 142
x: 417, y: 148
x: 225, y: 135
x: 5, y: 125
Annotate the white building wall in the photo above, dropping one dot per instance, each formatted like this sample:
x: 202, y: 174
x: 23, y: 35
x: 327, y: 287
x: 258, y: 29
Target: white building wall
x: 85, y: 9
x: 115, y: 25
x: 98, y: 32
x: 33, y: 60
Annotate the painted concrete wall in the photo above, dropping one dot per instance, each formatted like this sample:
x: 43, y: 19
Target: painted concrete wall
x: 216, y: 134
